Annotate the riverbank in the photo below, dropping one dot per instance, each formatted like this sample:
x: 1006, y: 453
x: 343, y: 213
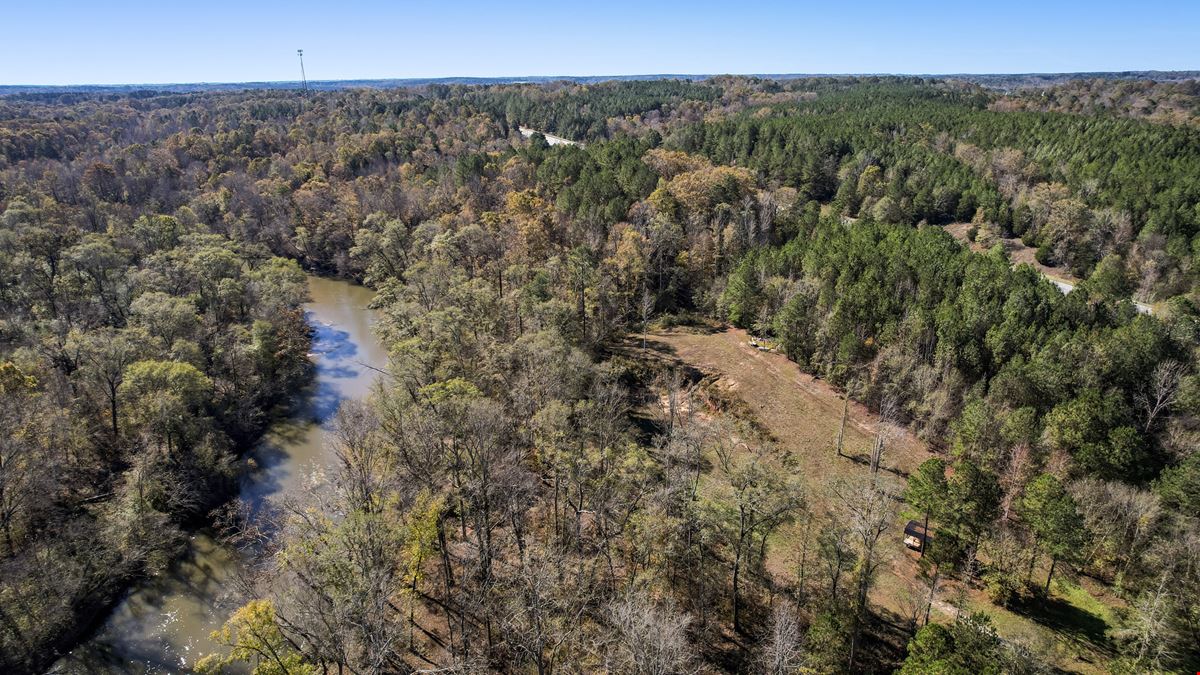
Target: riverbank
x: 164, y: 622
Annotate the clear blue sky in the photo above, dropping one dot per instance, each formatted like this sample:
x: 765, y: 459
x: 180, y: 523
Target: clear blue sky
x: 136, y: 41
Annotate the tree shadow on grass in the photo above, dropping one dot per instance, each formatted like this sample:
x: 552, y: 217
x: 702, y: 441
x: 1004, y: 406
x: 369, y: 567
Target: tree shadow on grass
x: 653, y: 345
x: 1068, y: 621
x: 865, y: 460
x: 888, y: 646
x: 646, y: 427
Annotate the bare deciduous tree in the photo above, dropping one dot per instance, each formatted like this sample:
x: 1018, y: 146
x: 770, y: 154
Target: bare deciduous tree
x: 1013, y: 479
x: 1162, y: 391
x: 782, y: 653
x: 649, y: 640
x: 544, y: 613
x: 764, y: 499
x: 1153, y: 642
x: 885, y: 432
x: 867, y: 510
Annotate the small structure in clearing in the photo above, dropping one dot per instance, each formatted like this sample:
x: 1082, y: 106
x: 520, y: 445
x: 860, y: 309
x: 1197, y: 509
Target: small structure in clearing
x: 916, y: 536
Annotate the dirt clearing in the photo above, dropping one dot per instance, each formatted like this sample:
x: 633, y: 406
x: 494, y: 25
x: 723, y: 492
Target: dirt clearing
x: 801, y: 414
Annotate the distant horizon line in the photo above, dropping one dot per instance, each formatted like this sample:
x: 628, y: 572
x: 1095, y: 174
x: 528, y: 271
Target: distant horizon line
x: 542, y: 79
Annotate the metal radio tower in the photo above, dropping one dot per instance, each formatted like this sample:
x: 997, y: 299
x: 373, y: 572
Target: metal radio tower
x: 303, y: 79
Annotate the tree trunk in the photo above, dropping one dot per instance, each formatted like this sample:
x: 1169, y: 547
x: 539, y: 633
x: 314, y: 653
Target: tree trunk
x: 859, y: 610
x: 804, y: 556
x: 737, y: 569
x: 112, y: 410
x: 925, y: 535
x: 932, y: 592
x: 1032, y: 561
x: 1053, y: 564
x: 579, y: 305
x: 854, y: 638
x: 447, y: 570
x: 841, y: 435
x: 557, y: 533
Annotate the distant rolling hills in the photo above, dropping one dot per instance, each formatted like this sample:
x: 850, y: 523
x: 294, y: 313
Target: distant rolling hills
x: 993, y: 81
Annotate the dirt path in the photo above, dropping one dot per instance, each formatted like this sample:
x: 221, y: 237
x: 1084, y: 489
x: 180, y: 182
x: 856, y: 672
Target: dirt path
x: 1020, y: 254
x: 551, y: 139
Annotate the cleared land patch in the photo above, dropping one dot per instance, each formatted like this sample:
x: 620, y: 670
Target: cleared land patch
x: 801, y: 414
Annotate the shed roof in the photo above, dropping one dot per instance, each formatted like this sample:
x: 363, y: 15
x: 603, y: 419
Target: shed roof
x: 915, y: 529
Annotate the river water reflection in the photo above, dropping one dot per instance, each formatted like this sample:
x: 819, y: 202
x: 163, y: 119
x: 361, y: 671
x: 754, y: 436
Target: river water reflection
x: 163, y: 625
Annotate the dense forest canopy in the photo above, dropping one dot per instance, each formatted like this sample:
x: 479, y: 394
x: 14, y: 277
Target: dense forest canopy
x: 1171, y: 101
x: 530, y: 488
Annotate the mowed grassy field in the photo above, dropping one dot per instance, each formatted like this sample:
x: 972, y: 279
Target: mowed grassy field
x: 799, y: 416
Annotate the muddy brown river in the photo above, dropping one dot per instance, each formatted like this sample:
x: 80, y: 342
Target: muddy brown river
x: 163, y: 624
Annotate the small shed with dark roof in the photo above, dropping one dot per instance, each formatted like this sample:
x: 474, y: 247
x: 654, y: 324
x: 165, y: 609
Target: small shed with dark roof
x: 916, y: 536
